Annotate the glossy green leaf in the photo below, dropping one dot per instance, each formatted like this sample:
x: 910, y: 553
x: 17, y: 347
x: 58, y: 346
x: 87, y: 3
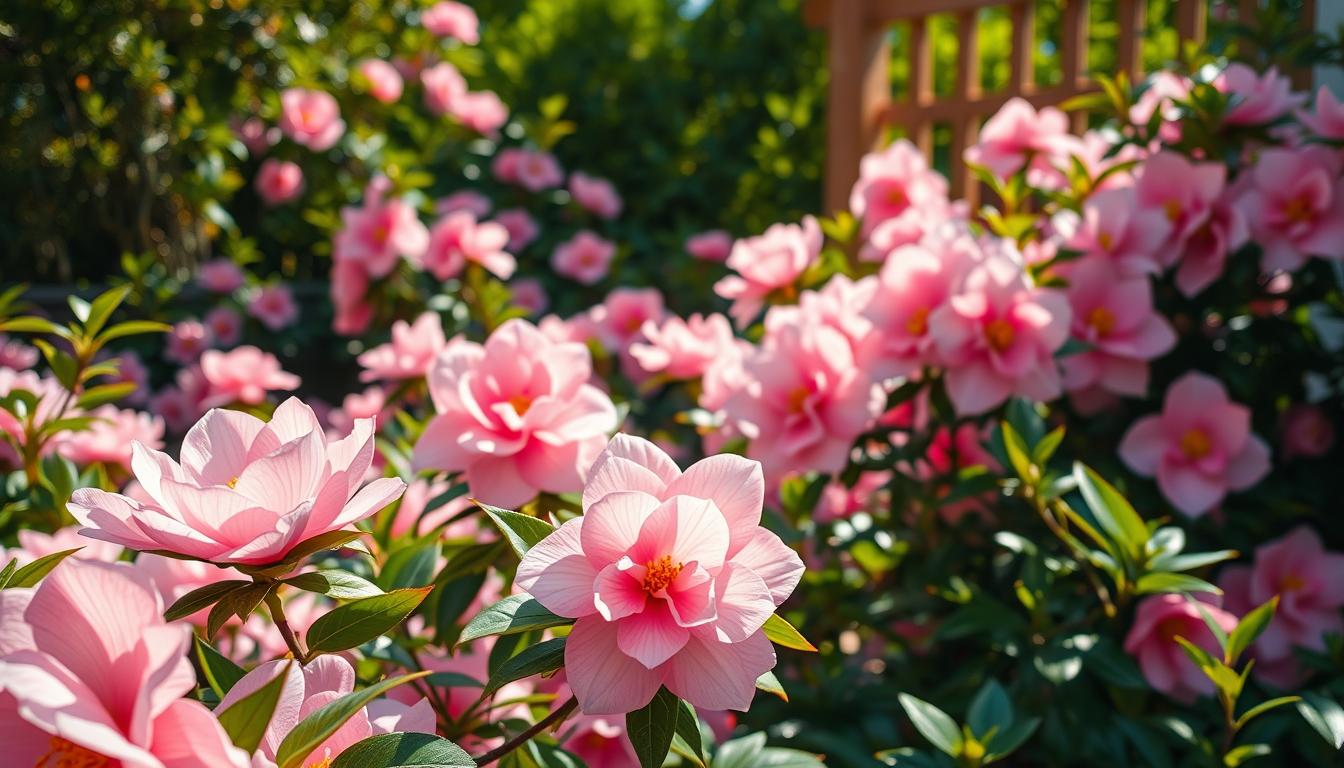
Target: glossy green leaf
x: 221, y: 674
x: 359, y: 621
x: 246, y: 719
x: 202, y: 597
x: 513, y: 614
x: 781, y: 632
x: 335, y: 583
x: 546, y: 656
x: 933, y: 724
x: 651, y: 728
x: 522, y: 531
x: 318, y: 726
x: 404, y: 750
x: 32, y: 573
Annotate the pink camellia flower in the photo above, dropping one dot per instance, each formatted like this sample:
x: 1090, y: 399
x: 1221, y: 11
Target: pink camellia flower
x: 468, y: 200
x: 805, y: 400
x: 619, y: 320
x: 382, y: 79
x: 1296, y: 206
x: 683, y: 349
x: 670, y: 576
x: 443, y: 86
x: 585, y: 257
x: 529, y: 294
x: 219, y: 276
x: 1306, y: 431
x: 311, y: 118
x: 897, y: 183
x: 255, y: 134
x: 34, y: 545
x: 594, y: 194
x: 841, y: 502
x: 379, y: 233
x: 1163, y: 91
x: 1184, y: 192
x: 310, y: 687
x: 516, y: 415
x: 1159, y: 620
x: 600, y: 742
x: 1257, y: 98
x: 348, y: 288
x: 523, y: 229
x: 1199, y: 447
x: 458, y: 239
x: 1114, y: 316
x: 539, y: 170
x: 768, y: 263
x: 246, y: 492
x: 1309, y: 582
x: 243, y: 375
x: 996, y: 337
x: 1207, y: 248
x: 91, y: 675
x: 1018, y: 136
x: 711, y: 245
x: 481, y: 111
x: 1113, y: 226
x: 505, y: 164
x: 279, y: 181
x: 913, y: 283
x: 449, y: 19
x: 410, y: 353
x: 1327, y: 120
x: 108, y: 440
x: 225, y: 325
x: 16, y: 355
x: 274, y: 306
x: 839, y: 304
x: 187, y: 341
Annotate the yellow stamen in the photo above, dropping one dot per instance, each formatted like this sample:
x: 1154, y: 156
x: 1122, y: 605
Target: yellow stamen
x: 1105, y: 240
x: 233, y: 483
x: 64, y: 754
x: 1101, y: 320
x: 660, y: 573
x: 1195, y: 444
x: 1298, y: 210
x: 798, y: 399
x: 918, y: 322
x: 999, y: 333
x: 1173, y: 210
x: 323, y: 763
x: 1291, y: 582
x: 520, y: 404
x: 896, y: 198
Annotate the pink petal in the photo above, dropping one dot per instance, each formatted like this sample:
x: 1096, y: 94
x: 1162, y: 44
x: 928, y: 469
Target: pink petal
x: 557, y: 573
x: 685, y: 528
x: 618, y: 593
x: 216, y: 448
x: 1189, y: 490
x: 391, y: 716
x: 612, y: 526
x: 438, y: 446
x: 109, y: 517
x: 497, y: 481
x: 640, y: 453
x: 1249, y: 466
x: 1143, y: 445
x: 714, y: 675
x: 735, y: 485
x: 614, y: 473
x: 605, y: 680
x: 744, y: 603
x: 651, y: 637
x: 187, y: 735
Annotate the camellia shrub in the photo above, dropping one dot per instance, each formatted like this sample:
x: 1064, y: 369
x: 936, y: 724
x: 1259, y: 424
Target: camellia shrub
x: 1045, y: 481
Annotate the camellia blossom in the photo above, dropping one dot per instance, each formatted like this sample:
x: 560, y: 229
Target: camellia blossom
x: 458, y: 238
x: 1306, y: 431
x: 913, y: 283
x: 246, y: 492
x: 1207, y: 248
x: 670, y: 577
x: 1017, y: 136
x: 481, y: 111
x: 451, y: 19
x: 220, y: 276
x: 1257, y: 98
x: 585, y: 257
x: 1112, y: 225
x: 225, y: 325
x: 91, y: 675
x: 243, y: 375
x: 1159, y: 620
x: 108, y: 439
x: 187, y: 341
x: 767, y: 263
x: 311, y: 118
x: 1199, y: 447
x: 1296, y: 206
x: 279, y: 181
x: 274, y: 306
x: 515, y: 415
x: 443, y: 86
x: 468, y: 200
x: 595, y: 194
x: 683, y: 349
x: 410, y: 353
x: 377, y: 234
x: 523, y: 229
x: 1327, y: 120
x: 897, y: 183
x: 1183, y: 192
x: 537, y: 170
x: 711, y: 245
x: 382, y: 79
x: 996, y: 337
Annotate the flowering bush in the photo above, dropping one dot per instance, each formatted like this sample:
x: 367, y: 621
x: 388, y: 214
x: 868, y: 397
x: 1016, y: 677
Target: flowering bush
x: 962, y: 485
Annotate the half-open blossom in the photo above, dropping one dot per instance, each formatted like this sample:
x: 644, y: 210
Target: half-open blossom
x: 1159, y: 620
x: 187, y: 341
x: 279, y: 181
x: 585, y: 257
x: 379, y: 233
x: 671, y: 578
x: 108, y: 439
x: 274, y: 306
x: 382, y: 79
x: 311, y: 118
x: 897, y: 183
x: 996, y: 337
x: 711, y: 245
x: 1182, y: 191
x: 516, y: 415
x: 246, y: 491
x: 1199, y: 447
x: 1256, y: 98
x: 1327, y: 118
x: 443, y: 86
x: 539, y: 170
x: 91, y: 675
x: 451, y: 19
x: 595, y: 195
x: 766, y: 263
x: 1296, y: 206
x: 1113, y: 226
x: 481, y: 111
x: 683, y: 349
x: 243, y: 375
x: 225, y: 325
x: 458, y: 238
x: 410, y: 353
x: 220, y: 276
x: 1017, y: 136
x: 1114, y: 316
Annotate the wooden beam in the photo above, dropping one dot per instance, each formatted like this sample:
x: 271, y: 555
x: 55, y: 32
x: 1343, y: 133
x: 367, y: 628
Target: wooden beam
x: 858, y: 95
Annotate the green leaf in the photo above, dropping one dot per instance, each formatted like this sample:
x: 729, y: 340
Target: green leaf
x: 8, y: 572
x: 240, y: 602
x: 1045, y: 449
x: 359, y: 621
x: 220, y: 672
x: 1248, y: 629
x: 32, y: 324
x: 546, y: 656
x: 105, y: 393
x: 522, y: 531
x: 1245, y: 752
x: 404, y: 750
x: 1324, y: 715
x: 317, y: 727
x: 335, y: 583
x: 102, y: 308
x: 203, y: 597
x: 134, y: 328
x: 30, y: 574
x: 475, y: 558
x: 651, y: 727
x: 782, y: 633
x: 513, y: 614
x: 1112, y: 511
x: 933, y: 724
x: 771, y: 685
x: 1163, y: 581
x: 1263, y: 707
x: 990, y: 708
x: 688, y: 736
x: 246, y: 719
x: 1007, y: 740
x: 410, y: 566
x: 1018, y: 454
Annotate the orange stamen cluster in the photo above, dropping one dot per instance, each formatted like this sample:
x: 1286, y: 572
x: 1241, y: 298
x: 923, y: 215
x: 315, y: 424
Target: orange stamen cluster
x: 660, y: 573
x: 65, y: 754
x: 1298, y: 210
x: 1195, y: 444
x: 1101, y: 320
x: 520, y: 404
x: 1000, y: 334
x: 918, y: 322
x: 1291, y: 582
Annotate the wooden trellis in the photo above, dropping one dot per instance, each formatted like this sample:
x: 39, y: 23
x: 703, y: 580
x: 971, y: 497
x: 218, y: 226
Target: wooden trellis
x: 860, y: 104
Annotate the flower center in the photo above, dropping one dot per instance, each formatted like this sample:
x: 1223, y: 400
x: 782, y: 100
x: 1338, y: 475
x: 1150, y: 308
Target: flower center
x: 1195, y: 444
x: 520, y: 404
x: 896, y: 198
x: 1291, y: 582
x: 918, y: 322
x: 658, y: 574
x: 1101, y: 320
x: 323, y: 763
x: 380, y: 234
x: 999, y: 333
x: 1170, y: 628
x: 1105, y: 240
x: 798, y: 399
x: 233, y: 482
x: 64, y: 754
x: 1173, y: 210
x: 1298, y: 210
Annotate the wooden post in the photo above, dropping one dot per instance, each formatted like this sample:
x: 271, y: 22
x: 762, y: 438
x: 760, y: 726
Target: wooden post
x: 858, y: 95
x: 966, y: 124
x: 1073, y: 54
x: 1131, y: 17
x: 921, y: 83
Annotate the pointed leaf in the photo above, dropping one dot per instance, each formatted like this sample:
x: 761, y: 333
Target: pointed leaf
x: 220, y: 672
x: 522, y: 531
x: 1324, y: 715
x: 933, y: 724
x: 651, y: 727
x: 546, y: 656
x: 513, y: 614
x: 246, y: 719
x: 317, y: 727
x: 990, y: 708
x: 202, y: 597
x: 1263, y: 707
x: 359, y: 621
x: 1249, y: 628
x: 1112, y: 511
x: 782, y: 633
x: 335, y: 583
x: 404, y: 750
x: 30, y: 574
